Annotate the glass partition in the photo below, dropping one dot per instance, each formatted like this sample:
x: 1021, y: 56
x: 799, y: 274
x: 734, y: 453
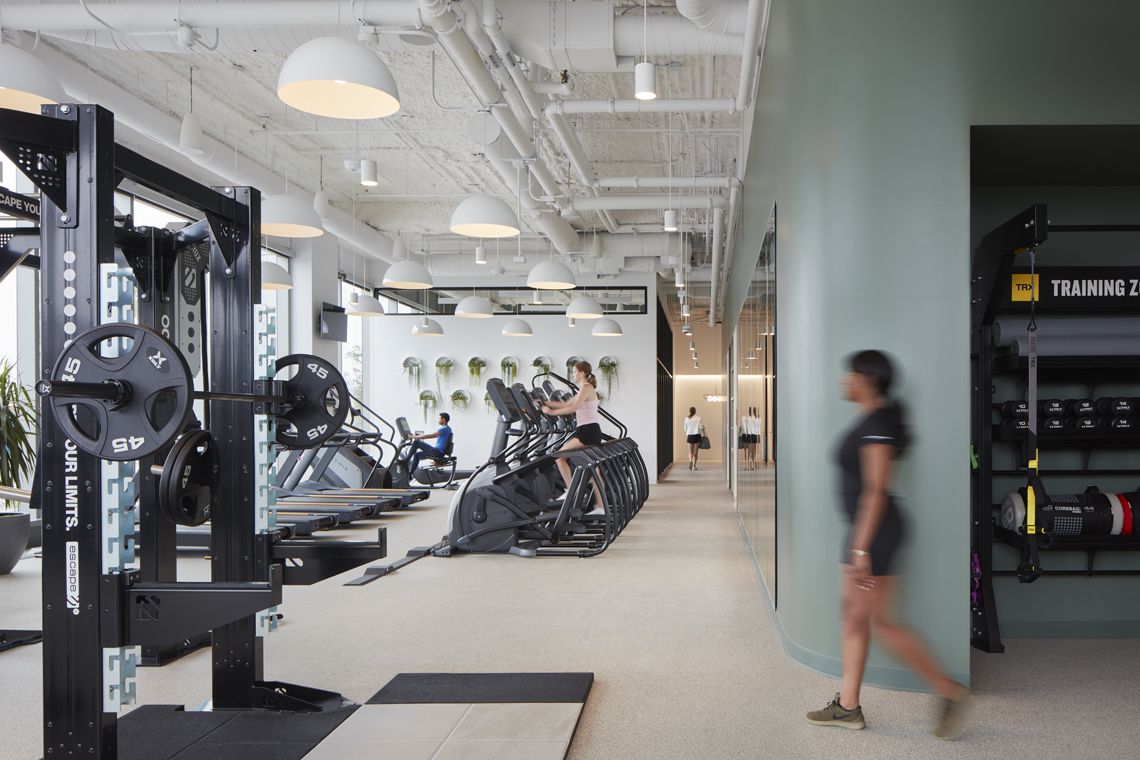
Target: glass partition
x: 756, y: 410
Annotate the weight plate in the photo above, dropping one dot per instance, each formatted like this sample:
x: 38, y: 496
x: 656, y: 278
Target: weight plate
x: 185, y: 489
x: 319, y: 398
x: 156, y: 410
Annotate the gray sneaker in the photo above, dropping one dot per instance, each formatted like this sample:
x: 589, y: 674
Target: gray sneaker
x: 954, y: 714
x: 836, y: 715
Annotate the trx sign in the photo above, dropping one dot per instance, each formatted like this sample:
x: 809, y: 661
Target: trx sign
x: 19, y: 205
x: 1079, y: 287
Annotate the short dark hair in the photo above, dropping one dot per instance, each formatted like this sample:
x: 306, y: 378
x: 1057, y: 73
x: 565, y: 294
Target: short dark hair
x: 873, y: 364
x: 446, y: 416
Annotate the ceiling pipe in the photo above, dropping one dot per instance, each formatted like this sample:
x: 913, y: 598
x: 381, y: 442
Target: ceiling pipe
x: 660, y: 105
x: 87, y: 87
x: 668, y: 182
x: 718, y: 16
x: 755, y: 32
x: 717, y: 233
x: 645, y: 202
x: 494, y: 30
x: 564, y: 237
x: 730, y: 241
x: 573, y: 149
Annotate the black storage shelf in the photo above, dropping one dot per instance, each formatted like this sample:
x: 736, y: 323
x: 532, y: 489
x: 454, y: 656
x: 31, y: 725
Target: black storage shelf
x: 1101, y: 438
x: 1067, y: 543
x: 1058, y: 473
x: 1108, y: 367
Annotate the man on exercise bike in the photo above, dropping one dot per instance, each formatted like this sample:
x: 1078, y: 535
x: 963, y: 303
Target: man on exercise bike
x: 418, y: 449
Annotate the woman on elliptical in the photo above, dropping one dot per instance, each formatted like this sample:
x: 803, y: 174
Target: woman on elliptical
x: 584, y: 406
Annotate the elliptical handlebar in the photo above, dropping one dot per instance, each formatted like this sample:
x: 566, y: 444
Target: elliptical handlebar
x: 574, y: 386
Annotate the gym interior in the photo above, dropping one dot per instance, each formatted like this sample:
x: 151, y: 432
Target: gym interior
x: 251, y: 250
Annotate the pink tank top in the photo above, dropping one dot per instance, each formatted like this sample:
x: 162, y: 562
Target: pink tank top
x: 587, y: 413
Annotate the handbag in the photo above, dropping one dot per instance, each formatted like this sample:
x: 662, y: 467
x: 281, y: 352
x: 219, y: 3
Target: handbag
x: 705, y: 442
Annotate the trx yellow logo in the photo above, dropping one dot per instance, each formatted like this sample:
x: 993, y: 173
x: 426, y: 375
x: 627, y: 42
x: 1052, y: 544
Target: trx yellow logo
x: 1022, y: 289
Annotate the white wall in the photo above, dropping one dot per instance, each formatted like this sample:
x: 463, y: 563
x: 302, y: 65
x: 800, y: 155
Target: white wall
x: 633, y: 400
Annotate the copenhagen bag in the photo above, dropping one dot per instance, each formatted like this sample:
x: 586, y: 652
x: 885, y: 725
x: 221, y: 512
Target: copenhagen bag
x: 705, y: 442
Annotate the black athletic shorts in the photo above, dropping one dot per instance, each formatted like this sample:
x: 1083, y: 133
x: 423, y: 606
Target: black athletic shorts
x: 693, y: 438
x: 589, y: 435
x: 885, y: 544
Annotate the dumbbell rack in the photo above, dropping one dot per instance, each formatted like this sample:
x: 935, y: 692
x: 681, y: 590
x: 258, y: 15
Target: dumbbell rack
x: 97, y: 606
x: 991, y: 282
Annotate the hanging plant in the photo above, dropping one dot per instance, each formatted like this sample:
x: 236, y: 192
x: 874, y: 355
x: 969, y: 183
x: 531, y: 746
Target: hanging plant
x: 541, y: 364
x: 412, y: 370
x: 460, y: 399
x: 488, y: 403
x: 608, y: 368
x: 570, y: 364
x: 601, y: 397
x: 443, y: 366
x: 509, y: 367
x: 475, y: 369
x: 427, y: 401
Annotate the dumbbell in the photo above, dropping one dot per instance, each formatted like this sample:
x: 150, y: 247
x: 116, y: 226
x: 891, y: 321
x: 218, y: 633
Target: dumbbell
x: 1080, y: 407
x: 1015, y: 408
x: 1054, y: 424
x: 1053, y: 407
x: 1115, y: 407
x: 1085, y: 424
x: 1015, y: 425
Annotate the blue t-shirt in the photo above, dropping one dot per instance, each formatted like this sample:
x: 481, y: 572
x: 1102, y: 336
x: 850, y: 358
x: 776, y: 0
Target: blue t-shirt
x: 443, y: 435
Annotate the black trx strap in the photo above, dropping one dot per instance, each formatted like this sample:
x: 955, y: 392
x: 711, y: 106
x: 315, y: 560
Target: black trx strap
x: 1030, y: 568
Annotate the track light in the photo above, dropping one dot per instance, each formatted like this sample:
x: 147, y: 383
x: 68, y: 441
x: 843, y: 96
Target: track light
x: 369, y: 173
x: 332, y: 76
x: 645, y: 81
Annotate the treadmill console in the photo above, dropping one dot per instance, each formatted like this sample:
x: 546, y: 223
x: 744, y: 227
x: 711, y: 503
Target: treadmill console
x: 503, y: 400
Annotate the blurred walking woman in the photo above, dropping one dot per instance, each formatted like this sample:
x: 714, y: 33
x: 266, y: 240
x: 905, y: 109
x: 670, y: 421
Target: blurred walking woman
x: 868, y: 573
x: 693, y: 426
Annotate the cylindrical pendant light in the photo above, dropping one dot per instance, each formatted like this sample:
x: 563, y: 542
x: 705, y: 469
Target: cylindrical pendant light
x: 585, y: 308
x: 645, y: 81
x: 26, y: 82
x: 408, y: 274
x: 692, y: 345
x: 332, y: 76
x: 573, y: 322
x: 364, y: 305
x: 679, y: 277
x: 670, y: 220
x: 551, y: 275
x: 399, y: 249
x: 484, y: 216
x: 428, y: 328
x: 480, y: 254
x: 474, y: 307
x: 190, y: 138
x: 274, y: 277
x: 606, y: 328
x: 369, y: 173
x: 684, y: 310
x: 518, y: 328
x: 289, y: 216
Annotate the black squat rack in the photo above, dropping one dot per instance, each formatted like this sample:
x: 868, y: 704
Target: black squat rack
x: 1075, y: 291
x: 188, y: 302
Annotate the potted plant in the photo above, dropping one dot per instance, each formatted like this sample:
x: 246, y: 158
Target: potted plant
x: 17, y: 461
x: 488, y: 404
x: 427, y: 400
x: 509, y: 367
x: 608, y: 369
x: 443, y: 367
x: 412, y: 370
x: 541, y: 365
x: 570, y: 364
x: 475, y: 369
x: 459, y: 400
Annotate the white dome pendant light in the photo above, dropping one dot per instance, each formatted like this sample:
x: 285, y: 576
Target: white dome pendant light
x: 645, y: 73
x: 332, y: 76
x: 428, y: 328
x: 474, y: 307
x: 606, y: 328
x: 483, y: 216
x: 551, y: 275
x: 275, y: 277
x: 289, y: 216
x: 584, y: 308
x: 518, y: 328
x: 363, y: 304
x: 408, y: 275
x: 26, y: 82
x: 190, y: 139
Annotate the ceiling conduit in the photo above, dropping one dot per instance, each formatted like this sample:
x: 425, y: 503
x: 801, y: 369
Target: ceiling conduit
x: 659, y: 105
x: 717, y: 234
x: 715, y: 15
x: 646, y: 202
x: 683, y: 183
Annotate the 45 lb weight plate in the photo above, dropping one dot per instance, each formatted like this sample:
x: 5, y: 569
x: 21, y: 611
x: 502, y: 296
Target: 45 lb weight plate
x: 318, y: 402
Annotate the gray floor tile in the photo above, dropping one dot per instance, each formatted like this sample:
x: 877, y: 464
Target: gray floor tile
x: 518, y: 722
x: 399, y: 723
x: 374, y: 751
x: 452, y: 750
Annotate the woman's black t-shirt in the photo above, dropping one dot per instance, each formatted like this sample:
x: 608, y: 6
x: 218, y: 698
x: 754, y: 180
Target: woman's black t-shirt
x: 883, y: 425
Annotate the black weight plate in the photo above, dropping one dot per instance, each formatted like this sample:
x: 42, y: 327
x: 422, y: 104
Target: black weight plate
x: 159, y: 405
x: 186, y: 486
x: 319, y: 398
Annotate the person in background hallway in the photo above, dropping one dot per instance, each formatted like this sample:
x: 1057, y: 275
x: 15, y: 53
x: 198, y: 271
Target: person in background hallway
x: 757, y: 431
x: 868, y: 582
x: 419, y: 449
x: 588, y: 432
x: 693, y: 426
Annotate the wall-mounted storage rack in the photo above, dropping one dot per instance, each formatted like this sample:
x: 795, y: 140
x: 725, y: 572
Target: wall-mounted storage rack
x: 996, y: 287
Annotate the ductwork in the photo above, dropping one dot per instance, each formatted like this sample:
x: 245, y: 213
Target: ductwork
x: 87, y: 87
x: 660, y: 105
x: 755, y: 32
x: 670, y: 36
x: 715, y: 15
x: 646, y: 202
x: 717, y: 233
x: 669, y: 182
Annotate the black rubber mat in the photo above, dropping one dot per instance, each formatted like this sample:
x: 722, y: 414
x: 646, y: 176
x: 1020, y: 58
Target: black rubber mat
x: 476, y: 688
x: 166, y: 732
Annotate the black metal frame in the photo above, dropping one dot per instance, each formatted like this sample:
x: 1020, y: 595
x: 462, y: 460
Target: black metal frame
x: 993, y: 266
x: 70, y: 153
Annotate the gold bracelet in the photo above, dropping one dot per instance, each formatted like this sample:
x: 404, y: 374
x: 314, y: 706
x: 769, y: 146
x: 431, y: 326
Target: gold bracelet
x: 859, y: 553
